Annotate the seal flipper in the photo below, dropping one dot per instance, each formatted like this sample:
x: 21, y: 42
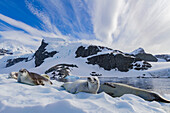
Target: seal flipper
x: 110, y: 84
x: 36, y: 82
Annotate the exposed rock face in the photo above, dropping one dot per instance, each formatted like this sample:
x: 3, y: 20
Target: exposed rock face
x: 60, y: 66
x: 42, y: 54
x: 145, y: 65
x: 164, y: 56
x: 119, y: 61
x: 116, y: 59
x: 11, y: 62
x: 4, y: 51
x: 60, y: 71
x: 107, y: 61
x: 141, y: 54
x: 91, y: 50
x: 146, y: 57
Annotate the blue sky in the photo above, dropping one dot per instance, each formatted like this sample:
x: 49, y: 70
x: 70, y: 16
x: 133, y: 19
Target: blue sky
x: 65, y: 20
x: 119, y: 24
x: 17, y: 10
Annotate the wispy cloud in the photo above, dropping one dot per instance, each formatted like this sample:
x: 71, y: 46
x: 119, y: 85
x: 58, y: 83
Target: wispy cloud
x: 128, y: 24
x: 25, y: 27
x: 26, y: 35
x: 68, y: 18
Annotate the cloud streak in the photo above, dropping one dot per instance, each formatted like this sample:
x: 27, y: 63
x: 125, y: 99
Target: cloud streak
x: 128, y: 24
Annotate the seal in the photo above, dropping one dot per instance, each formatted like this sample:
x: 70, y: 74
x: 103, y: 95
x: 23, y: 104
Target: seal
x: 46, y: 76
x: 91, y: 85
x: 13, y: 75
x: 24, y: 76
x: 119, y: 89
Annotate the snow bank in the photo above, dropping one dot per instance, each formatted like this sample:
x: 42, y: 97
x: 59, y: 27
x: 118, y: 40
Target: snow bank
x: 21, y: 98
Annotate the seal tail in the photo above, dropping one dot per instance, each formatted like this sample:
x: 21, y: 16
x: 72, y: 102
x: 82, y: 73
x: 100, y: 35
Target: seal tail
x: 160, y: 99
x: 163, y: 100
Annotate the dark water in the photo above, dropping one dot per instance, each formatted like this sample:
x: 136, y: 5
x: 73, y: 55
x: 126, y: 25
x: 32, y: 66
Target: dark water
x: 160, y: 85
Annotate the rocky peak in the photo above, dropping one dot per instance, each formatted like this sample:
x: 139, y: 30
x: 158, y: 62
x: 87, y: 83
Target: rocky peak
x: 4, y: 51
x: 90, y: 50
x: 42, y: 54
x: 141, y: 54
x: 138, y: 51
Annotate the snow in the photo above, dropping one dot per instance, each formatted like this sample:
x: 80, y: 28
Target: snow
x: 16, y: 47
x: 21, y: 98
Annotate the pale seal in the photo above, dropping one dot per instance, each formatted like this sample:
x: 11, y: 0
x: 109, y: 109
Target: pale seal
x: 91, y: 85
x: 119, y: 89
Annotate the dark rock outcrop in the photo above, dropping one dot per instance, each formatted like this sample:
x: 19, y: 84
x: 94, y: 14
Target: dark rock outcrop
x: 119, y: 61
x: 141, y: 54
x: 11, y: 62
x: 145, y: 65
x: 107, y: 61
x: 4, y: 51
x: 163, y: 56
x: 41, y: 54
x: 60, y: 66
x: 60, y: 71
x: 95, y: 74
x: 90, y: 50
x: 146, y: 57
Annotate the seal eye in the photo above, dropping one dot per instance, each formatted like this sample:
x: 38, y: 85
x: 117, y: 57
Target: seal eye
x: 21, y: 71
x: 89, y: 79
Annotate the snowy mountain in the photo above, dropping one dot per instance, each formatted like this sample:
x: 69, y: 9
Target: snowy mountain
x: 87, y: 57
x: 17, y: 47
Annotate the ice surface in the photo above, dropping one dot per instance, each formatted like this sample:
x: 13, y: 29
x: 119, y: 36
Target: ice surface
x: 21, y: 98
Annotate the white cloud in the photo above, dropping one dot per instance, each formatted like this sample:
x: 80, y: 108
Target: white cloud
x: 31, y: 30
x: 129, y: 24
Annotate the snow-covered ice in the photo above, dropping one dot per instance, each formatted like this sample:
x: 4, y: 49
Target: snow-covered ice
x: 21, y: 98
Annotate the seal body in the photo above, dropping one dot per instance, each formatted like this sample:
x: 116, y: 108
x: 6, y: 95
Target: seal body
x: 91, y: 85
x: 119, y: 89
x: 24, y: 76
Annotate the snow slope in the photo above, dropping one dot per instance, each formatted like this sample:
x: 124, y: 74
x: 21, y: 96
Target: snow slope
x: 66, y: 54
x: 20, y: 98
